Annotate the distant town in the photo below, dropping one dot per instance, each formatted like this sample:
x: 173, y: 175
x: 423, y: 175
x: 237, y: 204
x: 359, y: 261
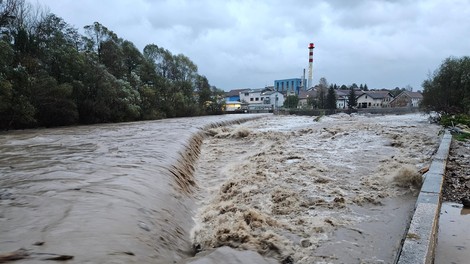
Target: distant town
x: 300, y: 93
x: 290, y: 93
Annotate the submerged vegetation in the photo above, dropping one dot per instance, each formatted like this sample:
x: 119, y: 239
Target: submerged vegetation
x: 51, y: 75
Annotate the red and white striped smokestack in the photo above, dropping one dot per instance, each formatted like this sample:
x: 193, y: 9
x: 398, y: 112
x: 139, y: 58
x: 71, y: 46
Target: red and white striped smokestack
x: 310, y: 65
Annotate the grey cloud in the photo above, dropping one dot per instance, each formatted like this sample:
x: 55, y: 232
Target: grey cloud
x: 247, y: 43
x: 195, y: 16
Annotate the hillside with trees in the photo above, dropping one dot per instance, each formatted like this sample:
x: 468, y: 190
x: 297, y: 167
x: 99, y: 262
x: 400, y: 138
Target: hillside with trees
x: 51, y: 75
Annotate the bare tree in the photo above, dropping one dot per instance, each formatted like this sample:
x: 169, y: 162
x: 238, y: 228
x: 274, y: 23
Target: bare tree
x: 7, y: 11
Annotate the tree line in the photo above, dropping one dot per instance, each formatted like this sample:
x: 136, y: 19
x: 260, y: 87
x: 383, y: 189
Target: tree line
x: 447, y: 90
x: 51, y: 75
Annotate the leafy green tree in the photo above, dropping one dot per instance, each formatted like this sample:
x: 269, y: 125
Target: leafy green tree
x: 6, y: 88
x: 352, y: 99
x: 59, y: 48
x: 111, y: 56
x: 132, y: 58
x: 448, y: 89
x: 51, y: 75
x: 54, y: 103
x: 331, y: 99
x: 291, y: 101
x: 97, y: 34
x: 22, y: 112
x: 204, y: 91
x: 217, y: 105
x: 321, y: 97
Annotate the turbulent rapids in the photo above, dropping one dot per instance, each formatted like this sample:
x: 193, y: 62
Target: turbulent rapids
x: 115, y: 193
x: 281, y: 188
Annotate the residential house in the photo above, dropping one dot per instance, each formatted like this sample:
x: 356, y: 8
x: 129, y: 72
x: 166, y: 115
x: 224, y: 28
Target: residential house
x: 342, y: 98
x: 233, y: 103
x: 374, y: 99
x: 304, y: 97
x: 262, y: 99
x: 234, y: 95
x: 407, y: 99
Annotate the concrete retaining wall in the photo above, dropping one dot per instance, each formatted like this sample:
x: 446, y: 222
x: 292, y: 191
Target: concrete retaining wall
x: 420, y: 240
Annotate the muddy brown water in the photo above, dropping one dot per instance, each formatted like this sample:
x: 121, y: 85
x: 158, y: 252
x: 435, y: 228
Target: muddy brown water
x: 122, y: 193
x: 312, y: 192
x: 112, y: 193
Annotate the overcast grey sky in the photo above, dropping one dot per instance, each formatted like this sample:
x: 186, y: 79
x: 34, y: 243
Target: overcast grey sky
x: 249, y: 44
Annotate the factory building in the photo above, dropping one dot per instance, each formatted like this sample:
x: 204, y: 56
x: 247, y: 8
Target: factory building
x: 288, y: 86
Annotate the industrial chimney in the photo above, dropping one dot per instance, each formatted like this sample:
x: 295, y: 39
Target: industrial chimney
x: 310, y: 65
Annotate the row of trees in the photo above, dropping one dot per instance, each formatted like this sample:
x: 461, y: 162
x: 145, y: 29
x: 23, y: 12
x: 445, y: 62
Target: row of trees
x: 447, y: 90
x: 50, y: 75
x: 326, y: 95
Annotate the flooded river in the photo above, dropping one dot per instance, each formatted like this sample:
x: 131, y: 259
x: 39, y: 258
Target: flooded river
x: 113, y: 193
x: 292, y: 189
x: 338, y: 190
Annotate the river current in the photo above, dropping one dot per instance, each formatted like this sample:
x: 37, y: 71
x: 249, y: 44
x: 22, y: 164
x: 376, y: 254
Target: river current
x: 278, y: 189
x: 113, y: 193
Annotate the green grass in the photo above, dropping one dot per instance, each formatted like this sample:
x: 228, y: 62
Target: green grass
x: 452, y: 120
x: 462, y: 137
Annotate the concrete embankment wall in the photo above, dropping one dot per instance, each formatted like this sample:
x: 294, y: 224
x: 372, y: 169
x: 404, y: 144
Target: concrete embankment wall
x: 420, y: 240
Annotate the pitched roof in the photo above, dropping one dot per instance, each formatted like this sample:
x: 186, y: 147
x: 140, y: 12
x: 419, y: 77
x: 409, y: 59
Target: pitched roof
x: 340, y: 93
x: 305, y: 94
x: 235, y: 92
x: 416, y: 95
x: 377, y: 94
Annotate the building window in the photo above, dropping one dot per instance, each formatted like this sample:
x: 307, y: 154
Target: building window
x: 251, y: 99
x: 282, y: 84
x: 247, y: 94
x: 287, y: 85
x: 256, y: 99
x: 262, y: 98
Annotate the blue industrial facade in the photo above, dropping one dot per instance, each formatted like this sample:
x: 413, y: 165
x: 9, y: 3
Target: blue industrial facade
x: 288, y: 85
